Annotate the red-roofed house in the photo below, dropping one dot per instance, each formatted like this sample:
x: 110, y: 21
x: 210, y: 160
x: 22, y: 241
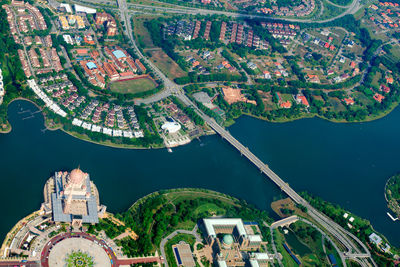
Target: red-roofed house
x: 379, y: 97
x: 286, y: 104
x: 302, y: 99
x: 349, y: 101
x: 384, y: 88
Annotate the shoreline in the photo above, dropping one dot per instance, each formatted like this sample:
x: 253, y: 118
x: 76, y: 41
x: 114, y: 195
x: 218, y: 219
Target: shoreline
x: 126, y: 146
x: 390, y: 201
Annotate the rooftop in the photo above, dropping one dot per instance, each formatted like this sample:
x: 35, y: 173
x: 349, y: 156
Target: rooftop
x: 119, y: 54
x: 91, y: 65
x: 211, y: 223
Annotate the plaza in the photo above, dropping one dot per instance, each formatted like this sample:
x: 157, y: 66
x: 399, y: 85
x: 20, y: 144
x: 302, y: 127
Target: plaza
x: 60, y: 252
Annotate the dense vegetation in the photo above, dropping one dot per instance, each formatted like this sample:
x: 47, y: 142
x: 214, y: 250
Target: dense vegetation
x: 188, y: 111
x: 13, y: 75
x: 392, y: 194
x: 156, y: 216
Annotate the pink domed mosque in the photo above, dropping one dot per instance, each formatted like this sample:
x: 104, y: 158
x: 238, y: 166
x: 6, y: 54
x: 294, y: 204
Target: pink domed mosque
x: 73, y: 198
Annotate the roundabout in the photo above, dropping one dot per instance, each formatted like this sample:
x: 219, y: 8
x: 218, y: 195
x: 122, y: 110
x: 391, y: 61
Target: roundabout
x: 79, y: 259
x: 77, y: 250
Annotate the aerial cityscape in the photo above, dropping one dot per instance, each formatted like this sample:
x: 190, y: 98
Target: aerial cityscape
x: 200, y: 133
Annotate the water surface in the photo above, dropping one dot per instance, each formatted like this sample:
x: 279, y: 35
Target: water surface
x: 344, y: 163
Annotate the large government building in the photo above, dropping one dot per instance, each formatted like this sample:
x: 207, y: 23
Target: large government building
x: 72, y: 197
x: 232, y: 244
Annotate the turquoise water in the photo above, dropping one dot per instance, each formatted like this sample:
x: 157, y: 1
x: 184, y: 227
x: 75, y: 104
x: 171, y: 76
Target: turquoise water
x: 344, y: 163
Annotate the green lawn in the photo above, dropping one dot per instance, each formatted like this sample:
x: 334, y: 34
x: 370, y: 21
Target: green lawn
x: 375, y: 81
x: 336, y: 104
x: 187, y: 225
x: 132, y: 86
x: 166, y: 64
x: 395, y: 51
x: 210, y: 208
x: 141, y: 33
x: 330, y: 11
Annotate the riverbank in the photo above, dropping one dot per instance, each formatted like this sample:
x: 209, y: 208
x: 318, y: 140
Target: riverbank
x: 59, y: 126
x: 109, y: 143
x: 392, y: 195
x: 311, y: 115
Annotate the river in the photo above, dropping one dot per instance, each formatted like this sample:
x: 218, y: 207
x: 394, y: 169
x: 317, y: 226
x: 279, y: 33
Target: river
x: 344, y: 163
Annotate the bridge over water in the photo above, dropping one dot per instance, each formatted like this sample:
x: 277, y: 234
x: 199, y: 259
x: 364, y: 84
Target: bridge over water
x: 355, y: 249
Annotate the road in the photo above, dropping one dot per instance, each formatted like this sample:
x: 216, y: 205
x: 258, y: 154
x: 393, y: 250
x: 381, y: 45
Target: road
x: 349, y: 241
x: 133, y: 7
x: 19, y: 263
x: 284, y: 222
x: 273, y: 244
x: 342, y: 258
x: 343, y: 236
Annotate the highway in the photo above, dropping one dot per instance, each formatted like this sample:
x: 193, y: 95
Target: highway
x: 349, y: 241
x: 352, y: 8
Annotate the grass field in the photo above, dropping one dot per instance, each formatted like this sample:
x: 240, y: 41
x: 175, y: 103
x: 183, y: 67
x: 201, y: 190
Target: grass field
x: 395, y: 51
x: 375, y: 80
x: 330, y: 11
x: 141, y: 34
x: 209, y: 207
x: 132, y: 86
x: 178, y: 196
x: 166, y: 64
x: 337, y: 104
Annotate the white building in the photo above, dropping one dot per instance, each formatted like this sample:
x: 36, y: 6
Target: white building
x: 171, y: 127
x: 67, y: 7
x: 68, y: 39
x: 376, y: 239
x: 84, y: 9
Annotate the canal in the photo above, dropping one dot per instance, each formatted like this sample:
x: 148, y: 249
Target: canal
x: 344, y: 163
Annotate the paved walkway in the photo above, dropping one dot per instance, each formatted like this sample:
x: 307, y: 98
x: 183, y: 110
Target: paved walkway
x: 273, y: 244
x: 62, y: 249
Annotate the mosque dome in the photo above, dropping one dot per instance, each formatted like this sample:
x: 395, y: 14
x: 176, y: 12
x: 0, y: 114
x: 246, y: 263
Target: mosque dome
x: 76, y: 176
x: 227, y: 239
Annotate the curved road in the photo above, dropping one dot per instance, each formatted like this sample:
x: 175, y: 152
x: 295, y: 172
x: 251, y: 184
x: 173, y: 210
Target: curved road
x: 342, y: 235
